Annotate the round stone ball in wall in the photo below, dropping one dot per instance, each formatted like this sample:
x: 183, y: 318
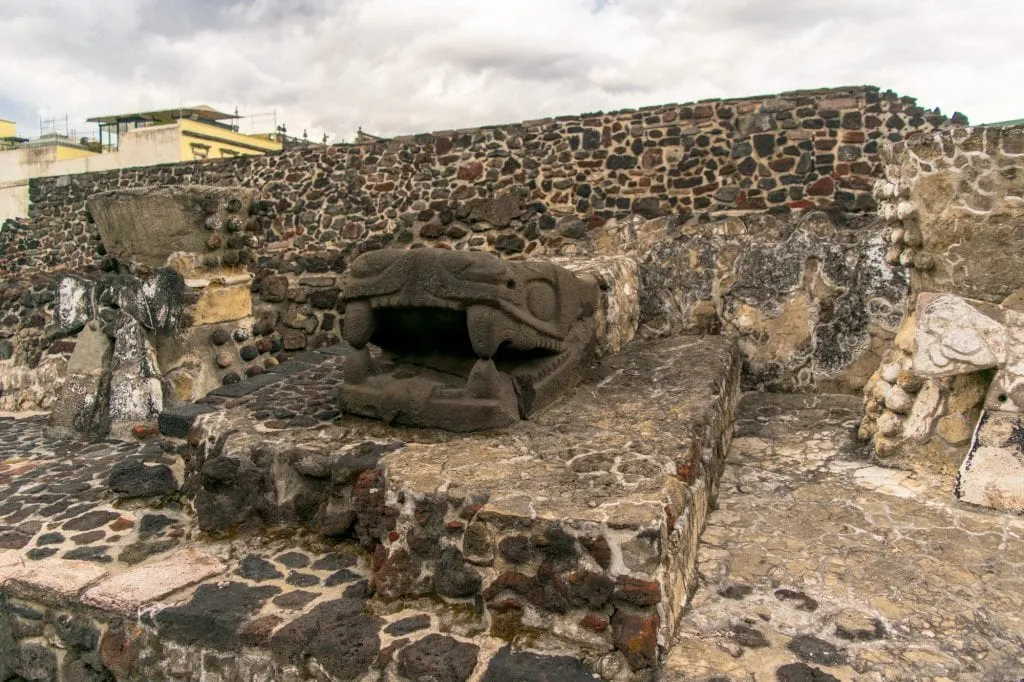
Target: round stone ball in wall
x: 220, y: 337
x: 234, y: 205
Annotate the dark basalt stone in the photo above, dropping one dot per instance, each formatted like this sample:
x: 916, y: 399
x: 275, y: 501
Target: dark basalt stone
x: 175, y: 422
x: 77, y: 633
x: 214, y: 614
x: 89, y: 553
x: 258, y: 569
x: 333, y: 561
x: 302, y: 579
x: 516, y: 549
x: 340, y: 577
x: 140, y: 551
x: 801, y: 672
x: 453, y: 578
x: 524, y: 666
x: 294, y: 600
x: 293, y: 559
x: 469, y: 341
x: 439, y: 658
x: 814, y: 650
x: 341, y: 638
x: 90, y: 520
x: 133, y: 478
x: 152, y: 524
x: 408, y: 625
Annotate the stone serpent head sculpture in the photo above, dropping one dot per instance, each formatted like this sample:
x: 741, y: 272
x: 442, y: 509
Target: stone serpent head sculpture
x: 468, y: 341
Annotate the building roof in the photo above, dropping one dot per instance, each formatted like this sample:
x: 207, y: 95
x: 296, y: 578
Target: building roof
x: 201, y: 113
x: 1017, y: 122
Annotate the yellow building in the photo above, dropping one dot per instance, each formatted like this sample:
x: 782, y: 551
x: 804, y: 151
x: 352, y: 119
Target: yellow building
x: 199, y: 133
x: 145, y: 138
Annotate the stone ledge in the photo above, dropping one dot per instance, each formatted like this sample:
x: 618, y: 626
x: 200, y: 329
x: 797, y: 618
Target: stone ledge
x: 606, y: 490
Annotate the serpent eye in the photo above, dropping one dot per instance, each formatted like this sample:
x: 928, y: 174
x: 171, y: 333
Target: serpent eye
x: 541, y: 300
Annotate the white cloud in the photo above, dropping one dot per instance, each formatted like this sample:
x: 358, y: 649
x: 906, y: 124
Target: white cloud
x: 400, y: 66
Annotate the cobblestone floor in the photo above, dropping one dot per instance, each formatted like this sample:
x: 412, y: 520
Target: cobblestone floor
x: 819, y: 566
x: 816, y: 566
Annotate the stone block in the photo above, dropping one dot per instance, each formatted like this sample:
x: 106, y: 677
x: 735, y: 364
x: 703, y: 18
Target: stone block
x: 74, y: 306
x: 219, y: 303
x: 992, y: 474
x: 147, y: 225
x: 82, y: 404
x: 126, y: 592
x: 176, y: 421
x: 53, y: 581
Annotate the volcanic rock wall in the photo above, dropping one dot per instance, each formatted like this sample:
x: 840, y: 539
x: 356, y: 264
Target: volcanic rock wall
x: 538, y: 189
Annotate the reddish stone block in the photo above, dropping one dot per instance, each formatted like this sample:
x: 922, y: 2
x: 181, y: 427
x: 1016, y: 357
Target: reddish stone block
x: 443, y: 145
x: 122, y: 524
x: 470, y: 510
x: 822, y: 187
x: 636, y: 636
x: 782, y: 165
x: 594, y: 622
x: 471, y: 171
x: 703, y: 111
x: 143, y: 431
x: 599, y: 549
x: 119, y: 652
x: 637, y: 592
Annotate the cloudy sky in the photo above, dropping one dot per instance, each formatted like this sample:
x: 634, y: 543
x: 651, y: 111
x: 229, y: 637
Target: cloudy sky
x: 402, y: 66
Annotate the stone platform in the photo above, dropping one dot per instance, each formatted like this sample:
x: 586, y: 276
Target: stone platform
x: 562, y: 546
x: 818, y: 565
x: 571, y: 533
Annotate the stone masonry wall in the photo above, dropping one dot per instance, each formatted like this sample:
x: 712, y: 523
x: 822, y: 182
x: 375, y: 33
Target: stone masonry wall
x: 533, y: 189
x: 953, y: 202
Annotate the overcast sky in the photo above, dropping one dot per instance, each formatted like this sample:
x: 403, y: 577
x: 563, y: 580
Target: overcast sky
x: 403, y: 66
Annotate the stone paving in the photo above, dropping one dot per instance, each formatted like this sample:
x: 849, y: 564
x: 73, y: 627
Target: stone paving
x: 816, y: 566
x: 819, y: 566
x: 55, y: 500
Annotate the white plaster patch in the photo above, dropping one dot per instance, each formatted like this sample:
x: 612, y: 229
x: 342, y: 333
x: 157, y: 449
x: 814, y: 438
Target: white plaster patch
x: 895, y: 482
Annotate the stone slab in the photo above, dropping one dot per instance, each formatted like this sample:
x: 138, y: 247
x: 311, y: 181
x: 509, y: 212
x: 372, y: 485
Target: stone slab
x: 992, y: 474
x: 53, y: 580
x: 127, y: 592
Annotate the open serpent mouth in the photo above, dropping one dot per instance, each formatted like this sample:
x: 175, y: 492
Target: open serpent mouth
x: 467, y: 341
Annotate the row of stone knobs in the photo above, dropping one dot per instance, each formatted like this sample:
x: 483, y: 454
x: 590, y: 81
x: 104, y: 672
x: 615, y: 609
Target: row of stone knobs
x: 903, y: 234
